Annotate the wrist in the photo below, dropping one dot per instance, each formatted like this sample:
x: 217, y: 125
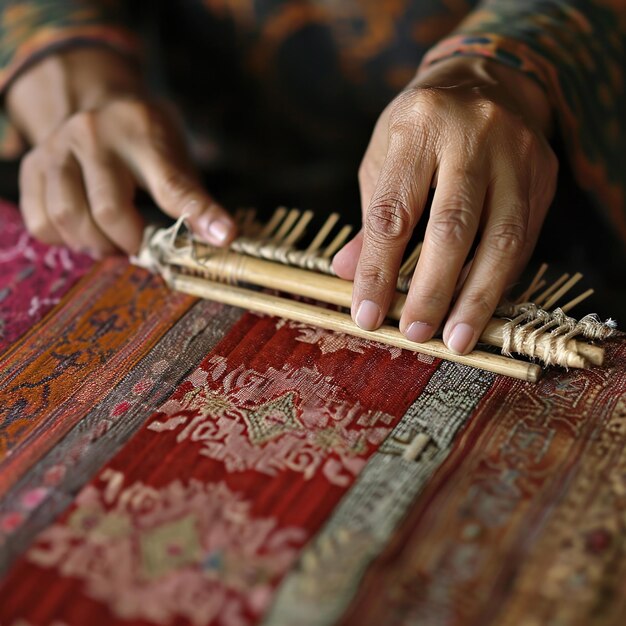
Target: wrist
x: 507, y: 85
x: 53, y: 89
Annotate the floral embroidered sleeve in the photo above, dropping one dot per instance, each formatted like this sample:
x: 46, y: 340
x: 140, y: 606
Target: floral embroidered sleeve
x: 33, y: 28
x: 576, y: 49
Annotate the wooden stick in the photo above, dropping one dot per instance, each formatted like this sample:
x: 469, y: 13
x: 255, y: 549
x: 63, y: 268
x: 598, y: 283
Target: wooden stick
x: 553, y: 287
x: 342, y: 322
x: 298, y: 229
x: 552, y: 300
x: 249, y: 226
x: 322, y: 233
x: 337, y: 242
x: 273, y: 222
x: 236, y: 268
x: 284, y: 228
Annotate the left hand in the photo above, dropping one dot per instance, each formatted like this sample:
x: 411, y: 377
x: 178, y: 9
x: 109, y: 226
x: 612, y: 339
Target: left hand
x: 473, y: 130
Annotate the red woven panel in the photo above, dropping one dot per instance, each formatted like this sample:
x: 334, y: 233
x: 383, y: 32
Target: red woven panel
x: 207, y: 507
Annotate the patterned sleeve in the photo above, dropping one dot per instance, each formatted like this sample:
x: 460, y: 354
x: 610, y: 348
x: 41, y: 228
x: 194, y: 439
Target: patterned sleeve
x: 29, y: 29
x: 576, y: 50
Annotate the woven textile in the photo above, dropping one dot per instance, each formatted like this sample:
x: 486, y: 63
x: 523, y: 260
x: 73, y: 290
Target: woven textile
x: 173, y: 462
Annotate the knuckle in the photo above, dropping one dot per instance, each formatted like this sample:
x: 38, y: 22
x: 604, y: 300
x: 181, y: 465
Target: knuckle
x: 373, y: 275
x: 389, y: 218
x: 37, y: 227
x: 411, y: 108
x: 104, y: 211
x: 480, y: 303
x: 453, y: 225
x: 133, y: 118
x: 491, y: 111
x: 506, y: 239
x: 143, y: 118
x: 432, y: 300
x: 60, y: 169
x: 61, y: 213
x: 415, y: 125
x: 527, y: 143
x: 137, y: 109
x: 29, y: 162
x: 82, y: 128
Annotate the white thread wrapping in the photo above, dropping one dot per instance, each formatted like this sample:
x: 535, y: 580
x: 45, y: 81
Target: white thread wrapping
x: 528, y: 325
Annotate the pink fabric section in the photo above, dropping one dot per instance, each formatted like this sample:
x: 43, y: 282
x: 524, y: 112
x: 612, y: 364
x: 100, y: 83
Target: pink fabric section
x: 33, y: 276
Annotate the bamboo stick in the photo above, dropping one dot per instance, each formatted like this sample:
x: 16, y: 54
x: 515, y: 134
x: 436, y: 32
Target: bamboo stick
x: 342, y: 322
x: 543, y: 297
x: 554, y: 298
x: 298, y: 229
x: 273, y: 222
x: 229, y: 266
x: 323, y: 232
x: 286, y: 225
x: 337, y: 242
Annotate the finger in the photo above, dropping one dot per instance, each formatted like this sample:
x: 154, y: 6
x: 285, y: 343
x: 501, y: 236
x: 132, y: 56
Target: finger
x: 454, y: 219
x: 32, y: 203
x: 396, y: 206
x: 110, y: 193
x: 346, y: 260
x: 177, y: 192
x: 503, y: 250
x: 68, y: 209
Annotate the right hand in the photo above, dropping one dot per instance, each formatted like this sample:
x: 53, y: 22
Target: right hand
x: 78, y: 182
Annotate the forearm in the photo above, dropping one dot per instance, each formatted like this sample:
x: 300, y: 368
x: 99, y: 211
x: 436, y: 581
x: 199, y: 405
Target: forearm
x: 47, y: 93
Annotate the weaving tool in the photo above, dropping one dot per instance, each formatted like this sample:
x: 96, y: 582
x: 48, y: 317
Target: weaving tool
x: 267, y: 256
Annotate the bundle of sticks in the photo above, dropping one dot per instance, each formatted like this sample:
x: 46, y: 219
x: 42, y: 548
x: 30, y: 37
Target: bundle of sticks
x: 267, y: 256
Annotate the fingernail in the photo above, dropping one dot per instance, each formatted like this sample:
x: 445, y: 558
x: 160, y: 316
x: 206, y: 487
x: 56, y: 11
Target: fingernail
x: 460, y: 338
x: 367, y: 315
x: 419, y: 331
x: 218, y: 230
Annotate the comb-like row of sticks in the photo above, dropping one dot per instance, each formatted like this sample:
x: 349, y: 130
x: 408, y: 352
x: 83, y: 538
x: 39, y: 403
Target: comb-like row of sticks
x: 267, y: 256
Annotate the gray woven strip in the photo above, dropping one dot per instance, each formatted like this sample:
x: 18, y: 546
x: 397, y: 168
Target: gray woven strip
x: 321, y: 586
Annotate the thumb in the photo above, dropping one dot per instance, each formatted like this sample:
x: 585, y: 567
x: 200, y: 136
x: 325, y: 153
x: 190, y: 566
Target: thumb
x: 346, y: 260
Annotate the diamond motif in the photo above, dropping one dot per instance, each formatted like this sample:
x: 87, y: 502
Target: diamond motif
x: 273, y: 419
x: 170, y: 546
